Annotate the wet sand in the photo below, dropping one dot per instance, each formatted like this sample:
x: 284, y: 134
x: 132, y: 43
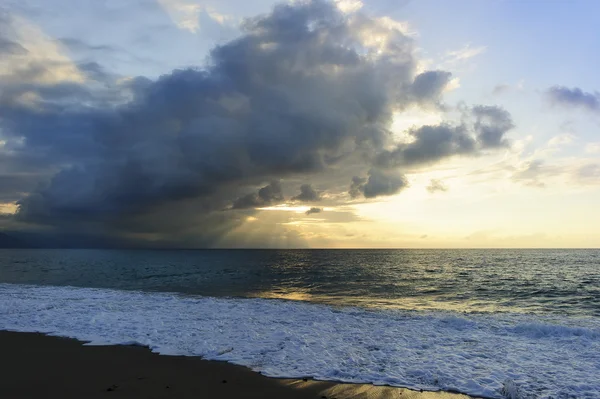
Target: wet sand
x: 39, y: 366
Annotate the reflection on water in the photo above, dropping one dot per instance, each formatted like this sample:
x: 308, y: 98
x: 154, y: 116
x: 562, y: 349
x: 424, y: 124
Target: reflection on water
x: 423, y: 303
x: 546, y: 281
x: 289, y: 295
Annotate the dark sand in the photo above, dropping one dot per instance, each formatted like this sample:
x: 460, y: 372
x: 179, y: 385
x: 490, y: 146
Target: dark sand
x: 38, y: 366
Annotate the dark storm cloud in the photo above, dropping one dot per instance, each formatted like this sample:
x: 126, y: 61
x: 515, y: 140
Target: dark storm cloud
x: 94, y: 71
x: 383, y: 183
x: 356, y: 188
x: 574, y: 97
x: 268, y: 195
x: 429, y: 85
x: 432, y: 144
x: 491, y: 125
x: 314, y: 210
x: 379, y: 183
x: 301, y: 93
x: 307, y: 194
x: 14, y: 185
x: 436, y: 185
x: 286, y: 98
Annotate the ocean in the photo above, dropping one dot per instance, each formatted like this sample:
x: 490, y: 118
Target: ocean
x: 488, y: 323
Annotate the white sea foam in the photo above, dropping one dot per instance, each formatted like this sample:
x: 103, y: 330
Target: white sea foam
x: 496, y: 356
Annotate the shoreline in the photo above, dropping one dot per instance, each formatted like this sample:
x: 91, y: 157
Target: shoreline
x: 49, y: 366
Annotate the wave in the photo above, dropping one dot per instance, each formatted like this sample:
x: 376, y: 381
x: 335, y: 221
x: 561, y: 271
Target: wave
x: 486, y: 355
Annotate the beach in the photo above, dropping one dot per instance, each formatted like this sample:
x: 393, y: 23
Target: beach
x: 36, y: 365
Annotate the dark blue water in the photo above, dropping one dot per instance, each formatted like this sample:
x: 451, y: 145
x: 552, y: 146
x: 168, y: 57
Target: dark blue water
x: 523, y: 281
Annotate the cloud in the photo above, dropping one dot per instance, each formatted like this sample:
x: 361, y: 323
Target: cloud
x: 357, y: 186
x: 383, y: 183
x: 432, y: 143
x: 186, y: 14
x: 307, y: 194
x: 268, y: 195
x: 127, y: 37
x: 531, y: 174
x: 539, y: 173
x: 556, y: 172
x: 79, y: 45
x: 12, y: 48
x: 592, y: 148
x: 589, y: 173
x: 28, y: 55
x: 7, y: 209
x: 491, y: 125
x: 305, y: 92
x: 283, y: 99
x: 314, y: 210
x: 506, y: 88
x: 379, y: 183
x: 430, y: 85
x: 561, y: 140
x: 501, y: 89
x: 14, y: 185
x: 436, y: 185
x: 463, y: 54
x: 349, y: 6
x: 574, y: 98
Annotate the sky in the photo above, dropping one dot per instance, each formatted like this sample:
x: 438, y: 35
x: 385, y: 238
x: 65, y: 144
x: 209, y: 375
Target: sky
x: 300, y: 124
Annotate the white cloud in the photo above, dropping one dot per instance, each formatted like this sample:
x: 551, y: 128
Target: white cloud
x: 183, y: 13
x: 402, y: 26
x: 465, y: 53
x: 349, y: 6
x: 40, y: 53
x: 520, y: 145
x: 453, y: 84
x: 186, y: 13
x: 592, y: 148
x: 561, y: 140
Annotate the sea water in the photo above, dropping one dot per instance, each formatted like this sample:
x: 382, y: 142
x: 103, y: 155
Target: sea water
x: 489, y: 323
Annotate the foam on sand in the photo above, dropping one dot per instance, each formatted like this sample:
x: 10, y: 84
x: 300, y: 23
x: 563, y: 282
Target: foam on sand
x: 496, y: 356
